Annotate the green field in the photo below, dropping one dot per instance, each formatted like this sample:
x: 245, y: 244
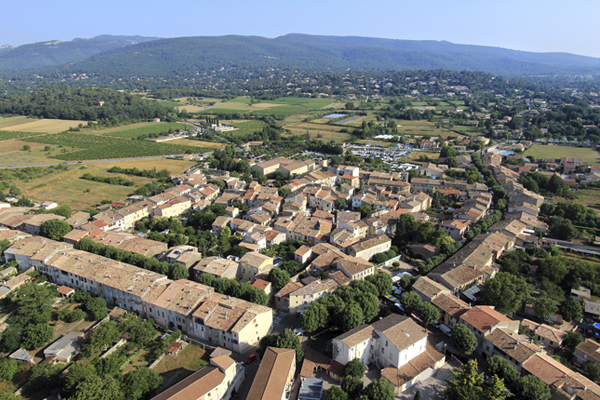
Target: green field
x: 245, y: 127
x: 29, y: 124
x: 6, y: 135
x: 143, y: 128
x: 547, y: 151
x: 85, y: 146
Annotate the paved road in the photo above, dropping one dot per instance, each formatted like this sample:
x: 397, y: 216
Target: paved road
x: 87, y: 162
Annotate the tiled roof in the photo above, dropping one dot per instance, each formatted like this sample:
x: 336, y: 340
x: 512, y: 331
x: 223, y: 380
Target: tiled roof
x: 483, y: 318
x: 428, y: 287
x: 512, y: 344
x: 401, y: 331
x: 356, y: 335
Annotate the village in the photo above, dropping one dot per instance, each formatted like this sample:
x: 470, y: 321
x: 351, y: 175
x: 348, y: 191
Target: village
x: 434, y: 231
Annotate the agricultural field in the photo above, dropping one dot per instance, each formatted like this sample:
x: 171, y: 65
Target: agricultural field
x: 548, y: 151
x: 197, y: 143
x: 27, y: 124
x: 11, y: 152
x: 96, y: 147
x: 143, y: 128
x: 62, y: 184
x: 7, y: 135
x: 245, y: 127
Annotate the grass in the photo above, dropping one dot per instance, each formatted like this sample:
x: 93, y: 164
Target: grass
x: 11, y: 152
x: 197, y: 143
x: 245, y: 127
x: 7, y: 135
x: 66, y: 187
x: 143, y: 128
x: 175, y: 368
x: 27, y: 124
x: 547, y: 151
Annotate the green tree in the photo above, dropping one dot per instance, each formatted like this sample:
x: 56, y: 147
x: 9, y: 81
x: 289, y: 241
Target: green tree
x: 463, y: 339
x: 369, y: 304
x: 355, y: 368
x: 592, y: 371
x: 428, y: 313
x: 544, y: 306
x: 10, y: 396
x: 14, y: 191
x: 54, y: 229
x: 289, y: 340
x: 533, y: 388
x: 507, y: 292
x: 571, y: 310
x: 75, y: 315
x: 382, y: 281
x: 279, y: 278
x: 466, y: 384
x: 501, y: 367
x: 8, y: 369
x: 138, y: 383
x: 178, y: 271
x: 352, y: 317
x: 26, y: 147
x: 410, y: 301
x: 341, y: 202
x: 571, y: 340
x: 77, y: 373
x: 336, y: 393
x: 496, y: 390
x: 352, y: 386
x: 97, y: 307
x: 36, y: 335
x: 417, y: 395
x: 314, y: 317
x: 284, y: 192
x: 380, y: 390
x: 93, y: 387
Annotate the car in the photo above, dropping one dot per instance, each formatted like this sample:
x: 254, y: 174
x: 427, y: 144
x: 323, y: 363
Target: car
x: 299, y: 331
x: 11, y: 165
x: 251, y: 359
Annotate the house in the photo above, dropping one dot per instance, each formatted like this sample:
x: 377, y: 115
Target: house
x: 587, y: 351
x: 482, y: 320
x: 33, y: 224
x: 65, y: 291
x: 184, y: 255
x: 354, y: 268
x: 369, y: 247
x: 428, y: 289
x: 282, y: 298
x: 303, y: 254
x: 451, y: 308
x: 509, y: 345
x: 216, y: 266
x: 65, y: 348
x: 550, y: 337
x: 216, y: 381
x: 300, y: 299
x: 254, y: 263
x: 219, y: 224
x: 265, y: 286
x: 275, y: 376
x: 455, y: 228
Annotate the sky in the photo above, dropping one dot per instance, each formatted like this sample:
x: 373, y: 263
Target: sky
x: 530, y: 25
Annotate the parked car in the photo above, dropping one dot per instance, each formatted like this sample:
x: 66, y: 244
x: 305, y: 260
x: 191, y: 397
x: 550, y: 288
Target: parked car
x: 299, y: 331
x: 251, y: 359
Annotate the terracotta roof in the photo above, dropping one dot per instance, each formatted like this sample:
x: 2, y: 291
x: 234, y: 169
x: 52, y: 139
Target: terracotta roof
x: 271, y: 379
x: 450, y: 304
x: 401, y: 331
x: 512, y: 344
x: 591, y: 348
x: 356, y: 335
x: 399, y: 376
x: 483, y: 318
x: 546, y: 368
x: 194, y: 386
x: 428, y: 287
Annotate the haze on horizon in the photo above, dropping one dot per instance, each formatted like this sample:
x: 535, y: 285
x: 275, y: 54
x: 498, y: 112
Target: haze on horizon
x: 533, y: 25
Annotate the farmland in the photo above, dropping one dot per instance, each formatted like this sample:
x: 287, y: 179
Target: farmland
x: 142, y: 128
x: 27, y: 124
x: 198, y: 143
x: 547, y: 151
x: 6, y: 135
x: 11, y: 152
x: 62, y: 184
x: 95, y: 147
x: 245, y: 127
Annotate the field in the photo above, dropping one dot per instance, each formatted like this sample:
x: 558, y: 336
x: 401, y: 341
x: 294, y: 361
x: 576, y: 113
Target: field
x: 26, y: 124
x: 11, y: 152
x: 245, y: 127
x: 547, y: 151
x: 65, y: 186
x: 96, y: 147
x: 7, y: 135
x: 197, y: 143
x: 279, y: 107
x: 142, y: 128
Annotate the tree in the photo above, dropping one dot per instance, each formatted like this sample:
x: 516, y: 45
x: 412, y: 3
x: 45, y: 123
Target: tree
x: 314, y: 317
x: 77, y: 373
x: 544, y: 306
x: 571, y: 310
x: 382, y: 281
x: 466, y: 384
x: 417, y: 395
x: 93, y: 387
x: 507, y: 292
x: 410, y: 301
x: 75, y: 315
x: 352, y: 317
x: 336, y: 393
x: 8, y: 369
x: 36, y: 335
x: 355, y: 368
x: 364, y: 286
x: 380, y: 390
x: 138, y: 383
x: 369, y: 304
x: 97, y: 307
x: 10, y: 396
x: 284, y: 192
x: 352, y: 386
x: 54, y: 229
x: 533, y: 388
x: 496, y: 390
x: 553, y: 268
x: 428, y: 313
x: 341, y: 202
x: 289, y: 340
x: 571, y: 340
x: 463, y: 339
x: 178, y: 271
x: 496, y: 365
x: 26, y: 147
x: 279, y: 278
x: 592, y: 371
x: 14, y: 191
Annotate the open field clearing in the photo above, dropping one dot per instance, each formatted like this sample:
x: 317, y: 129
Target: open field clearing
x: 25, y: 124
x: 175, y: 368
x: 304, y: 102
x: 11, y: 152
x: 325, y: 135
x: 65, y: 186
x: 335, y: 105
x: 587, y: 197
x: 197, y: 143
x: 8, y: 135
x: 245, y: 127
x: 139, y: 129
x: 549, y: 151
x: 96, y: 147
x: 189, y: 108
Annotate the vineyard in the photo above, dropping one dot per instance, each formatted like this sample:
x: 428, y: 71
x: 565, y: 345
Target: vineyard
x: 154, y: 128
x: 6, y: 135
x: 93, y: 147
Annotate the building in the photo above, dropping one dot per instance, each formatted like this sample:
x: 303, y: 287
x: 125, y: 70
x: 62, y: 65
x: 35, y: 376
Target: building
x: 275, y: 376
x: 368, y: 248
x: 254, y: 263
x: 482, y: 320
x: 549, y: 336
x: 428, y: 289
x: 65, y: 348
x: 587, y: 351
x: 282, y: 298
x: 184, y: 255
x: 216, y: 266
x: 300, y: 299
x: 217, y: 381
x: 503, y: 342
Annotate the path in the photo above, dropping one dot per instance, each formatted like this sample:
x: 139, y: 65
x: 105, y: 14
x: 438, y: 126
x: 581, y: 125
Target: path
x: 89, y: 161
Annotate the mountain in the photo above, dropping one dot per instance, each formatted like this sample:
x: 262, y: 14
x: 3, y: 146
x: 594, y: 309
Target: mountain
x: 188, y: 56
x: 55, y: 52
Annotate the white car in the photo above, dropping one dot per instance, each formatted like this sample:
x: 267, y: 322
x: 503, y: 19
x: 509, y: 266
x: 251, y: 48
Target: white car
x: 299, y: 331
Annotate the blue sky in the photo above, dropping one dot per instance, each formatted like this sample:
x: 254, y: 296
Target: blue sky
x: 530, y: 25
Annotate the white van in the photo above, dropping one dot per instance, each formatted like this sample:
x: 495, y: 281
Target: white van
x: 445, y: 330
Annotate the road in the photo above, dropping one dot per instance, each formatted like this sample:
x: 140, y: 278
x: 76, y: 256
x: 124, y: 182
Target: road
x: 88, y: 162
